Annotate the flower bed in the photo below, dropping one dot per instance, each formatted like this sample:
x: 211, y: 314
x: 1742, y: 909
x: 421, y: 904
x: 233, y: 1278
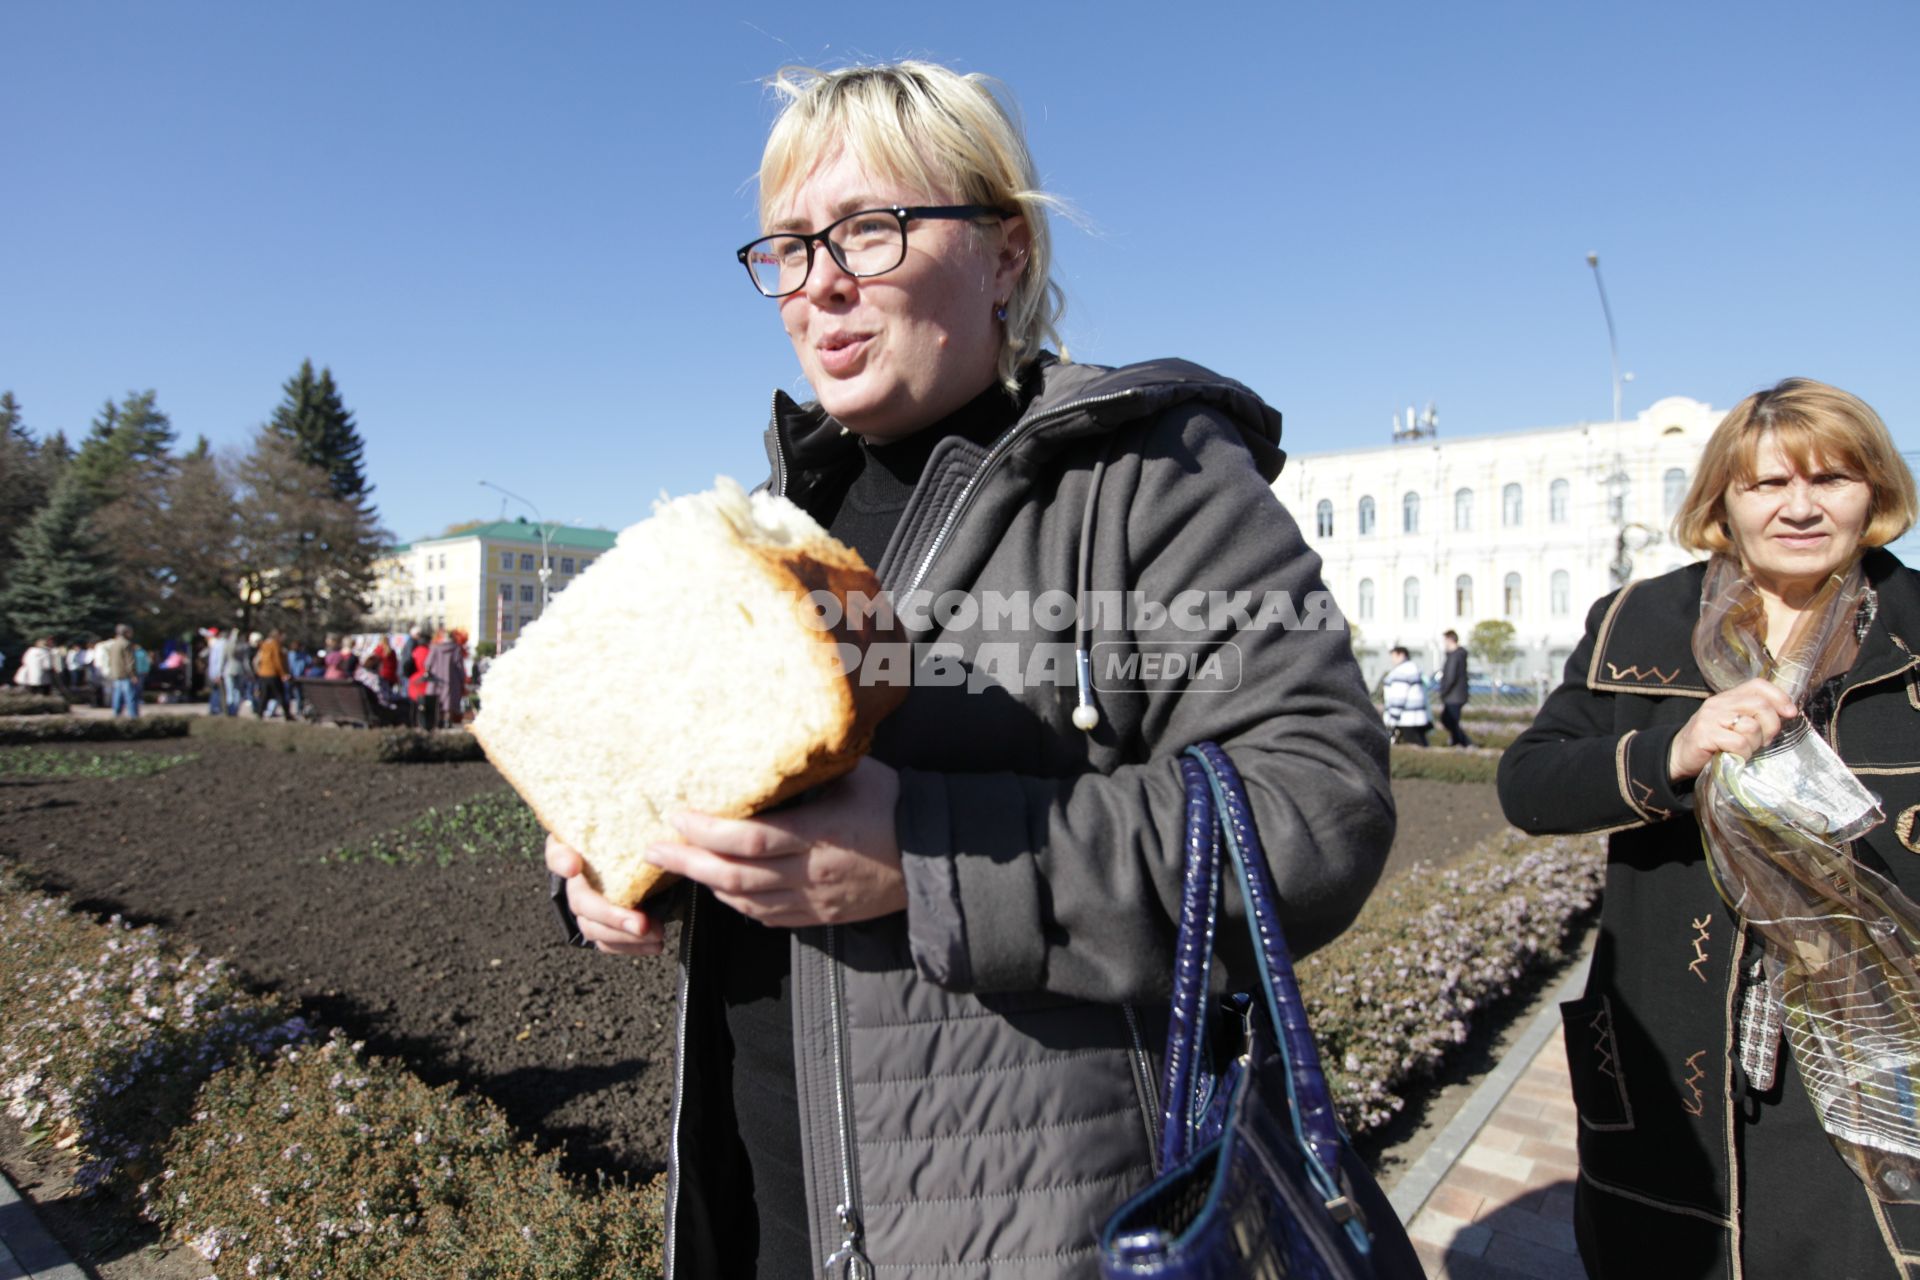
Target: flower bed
x: 275, y: 1156
x: 1390, y: 997
x: 48, y: 762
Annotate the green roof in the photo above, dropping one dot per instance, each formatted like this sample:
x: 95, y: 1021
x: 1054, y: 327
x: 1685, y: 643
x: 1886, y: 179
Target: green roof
x: 558, y: 535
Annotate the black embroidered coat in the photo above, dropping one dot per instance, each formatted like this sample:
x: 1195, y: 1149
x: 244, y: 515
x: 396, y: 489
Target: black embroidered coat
x: 1685, y: 1168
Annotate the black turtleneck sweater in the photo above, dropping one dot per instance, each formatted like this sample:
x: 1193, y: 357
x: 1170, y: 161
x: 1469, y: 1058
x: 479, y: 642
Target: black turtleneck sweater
x: 860, y: 504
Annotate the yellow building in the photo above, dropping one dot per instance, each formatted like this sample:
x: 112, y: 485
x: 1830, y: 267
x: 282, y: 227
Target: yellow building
x: 485, y: 580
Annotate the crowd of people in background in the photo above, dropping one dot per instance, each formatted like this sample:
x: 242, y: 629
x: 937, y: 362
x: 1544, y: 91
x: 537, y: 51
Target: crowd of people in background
x: 419, y: 677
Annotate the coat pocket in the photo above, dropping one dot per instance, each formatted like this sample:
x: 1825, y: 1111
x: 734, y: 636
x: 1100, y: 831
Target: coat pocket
x: 1593, y: 1065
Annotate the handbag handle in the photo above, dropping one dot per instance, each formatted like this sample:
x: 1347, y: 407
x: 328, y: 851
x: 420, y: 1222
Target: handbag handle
x: 1217, y: 813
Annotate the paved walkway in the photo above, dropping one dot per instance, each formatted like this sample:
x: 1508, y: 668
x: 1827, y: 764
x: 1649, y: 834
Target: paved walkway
x: 1492, y: 1197
x: 26, y: 1250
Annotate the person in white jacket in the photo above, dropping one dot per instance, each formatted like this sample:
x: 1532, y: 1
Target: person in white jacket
x: 1406, y: 699
x: 38, y: 667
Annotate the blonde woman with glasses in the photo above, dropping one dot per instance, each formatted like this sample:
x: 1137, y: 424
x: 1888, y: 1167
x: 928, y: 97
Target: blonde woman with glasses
x: 924, y: 1009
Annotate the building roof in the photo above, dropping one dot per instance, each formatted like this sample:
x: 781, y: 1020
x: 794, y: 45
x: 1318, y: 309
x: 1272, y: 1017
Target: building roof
x: 523, y: 530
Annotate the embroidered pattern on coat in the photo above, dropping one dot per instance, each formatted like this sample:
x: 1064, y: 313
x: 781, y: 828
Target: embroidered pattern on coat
x: 1903, y: 828
x: 1698, y: 1105
x: 1616, y: 672
x: 1700, y: 940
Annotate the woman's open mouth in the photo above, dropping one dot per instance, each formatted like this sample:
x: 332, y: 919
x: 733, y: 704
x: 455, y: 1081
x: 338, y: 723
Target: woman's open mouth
x: 840, y: 353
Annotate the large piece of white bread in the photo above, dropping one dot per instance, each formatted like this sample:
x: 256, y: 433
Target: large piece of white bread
x: 688, y: 669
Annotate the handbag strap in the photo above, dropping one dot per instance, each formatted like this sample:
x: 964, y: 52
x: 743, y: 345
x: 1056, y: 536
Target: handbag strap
x: 1192, y: 962
x: 1216, y: 797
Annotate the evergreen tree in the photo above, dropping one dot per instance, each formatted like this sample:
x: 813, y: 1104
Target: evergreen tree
x: 316, y: 423
x: 304, y: 557
x: 125, y: 470
x: 130, y: 445
x: 62, y: 583
x: 23, y: 490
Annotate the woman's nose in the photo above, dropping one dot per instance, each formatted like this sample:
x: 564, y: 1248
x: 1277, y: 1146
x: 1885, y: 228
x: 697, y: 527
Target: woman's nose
x: 827, y: 280
x: 1800, y: 504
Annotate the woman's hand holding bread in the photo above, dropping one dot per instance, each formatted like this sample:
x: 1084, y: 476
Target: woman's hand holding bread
x: 606, y: 926
x: 831, y: 860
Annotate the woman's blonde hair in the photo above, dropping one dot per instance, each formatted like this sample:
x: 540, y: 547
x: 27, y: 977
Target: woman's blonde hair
x: 937, y: 131
x: 1815, y: 426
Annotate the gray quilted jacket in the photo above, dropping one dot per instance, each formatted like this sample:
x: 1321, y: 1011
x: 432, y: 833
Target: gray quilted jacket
x: 977, y: 1075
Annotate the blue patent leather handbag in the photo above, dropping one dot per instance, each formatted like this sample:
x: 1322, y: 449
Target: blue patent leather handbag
x: 1257, y: 1179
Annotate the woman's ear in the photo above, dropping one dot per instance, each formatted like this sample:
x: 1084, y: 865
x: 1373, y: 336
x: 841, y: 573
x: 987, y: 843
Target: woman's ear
x: 1016, y: 240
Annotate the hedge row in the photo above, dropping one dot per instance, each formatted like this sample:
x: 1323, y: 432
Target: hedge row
x: 274, y: 1154
x: 1390, y: 997
x: 15, y: 730
x: 19, y: 702
x: 382, y: 746
x: 1445, y: 764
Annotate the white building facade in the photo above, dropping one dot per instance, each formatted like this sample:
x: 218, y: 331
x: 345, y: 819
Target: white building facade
x: 1530, y: 527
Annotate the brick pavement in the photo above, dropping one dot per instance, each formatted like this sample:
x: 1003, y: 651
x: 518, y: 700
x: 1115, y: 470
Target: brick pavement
x: 1504, y: 1209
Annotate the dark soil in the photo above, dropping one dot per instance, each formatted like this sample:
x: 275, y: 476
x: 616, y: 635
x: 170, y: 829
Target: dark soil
x: 460, y: 970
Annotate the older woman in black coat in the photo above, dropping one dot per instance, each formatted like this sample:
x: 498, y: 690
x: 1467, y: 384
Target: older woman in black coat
x: 1707, y: 1136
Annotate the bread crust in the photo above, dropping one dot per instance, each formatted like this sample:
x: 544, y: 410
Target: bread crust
x: 795, y: 571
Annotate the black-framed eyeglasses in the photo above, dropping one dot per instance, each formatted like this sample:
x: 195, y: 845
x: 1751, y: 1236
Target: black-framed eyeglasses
x: 870, y: 242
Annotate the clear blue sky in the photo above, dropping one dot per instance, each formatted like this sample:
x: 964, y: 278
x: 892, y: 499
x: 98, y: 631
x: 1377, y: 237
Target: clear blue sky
x: 509, y: 228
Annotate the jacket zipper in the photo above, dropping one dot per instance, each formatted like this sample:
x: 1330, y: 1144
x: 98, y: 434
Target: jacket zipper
x: 679, y: 1077
x: 779, y: 448
x: 994, y: 454
x: 850, y: 1254
x: 1149, y: 1098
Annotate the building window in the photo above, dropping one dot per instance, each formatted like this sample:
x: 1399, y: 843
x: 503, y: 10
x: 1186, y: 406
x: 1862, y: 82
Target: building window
x: 506, y: 591
x: 506, y: 622
x: 1462, y: 510
x: 1618, y: 487
x: 1510, y: 506
x: 1562, y: 593
x: 1410, y: 599
x: 1463, y: 597
x: 526, y: 594
x: 526, y: 564
x: 1323, y: 519
x: 1366, y: 516
x: 1513, y: 595
x: 1410, y: 513
x: 526, y: 619
x: 1366, y: 599
x: 1676, y: 485
x: 506, y: 559
x: 1557, y: 502
x: 566, y: 564
x: 584, y: 562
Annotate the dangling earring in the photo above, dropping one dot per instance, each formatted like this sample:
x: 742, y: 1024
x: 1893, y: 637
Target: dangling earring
x: 1000, y: 312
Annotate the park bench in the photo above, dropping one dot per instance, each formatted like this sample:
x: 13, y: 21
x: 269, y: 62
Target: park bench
x: 346, y: 702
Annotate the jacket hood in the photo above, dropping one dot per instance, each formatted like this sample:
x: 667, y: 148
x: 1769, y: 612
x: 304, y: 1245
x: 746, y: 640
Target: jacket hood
x: 1073, y: 401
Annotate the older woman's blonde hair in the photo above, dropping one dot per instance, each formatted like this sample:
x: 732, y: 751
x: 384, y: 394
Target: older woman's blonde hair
x: 937, y: 131
x: 1815, y: 426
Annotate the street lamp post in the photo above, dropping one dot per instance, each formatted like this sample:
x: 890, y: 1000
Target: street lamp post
x: 546, y: 558
x: 1613, y: 347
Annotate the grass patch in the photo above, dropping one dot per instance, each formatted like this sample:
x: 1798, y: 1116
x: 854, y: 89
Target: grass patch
x: 497, y: 825
x: 40, y: 762
x: 1391, y: 997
